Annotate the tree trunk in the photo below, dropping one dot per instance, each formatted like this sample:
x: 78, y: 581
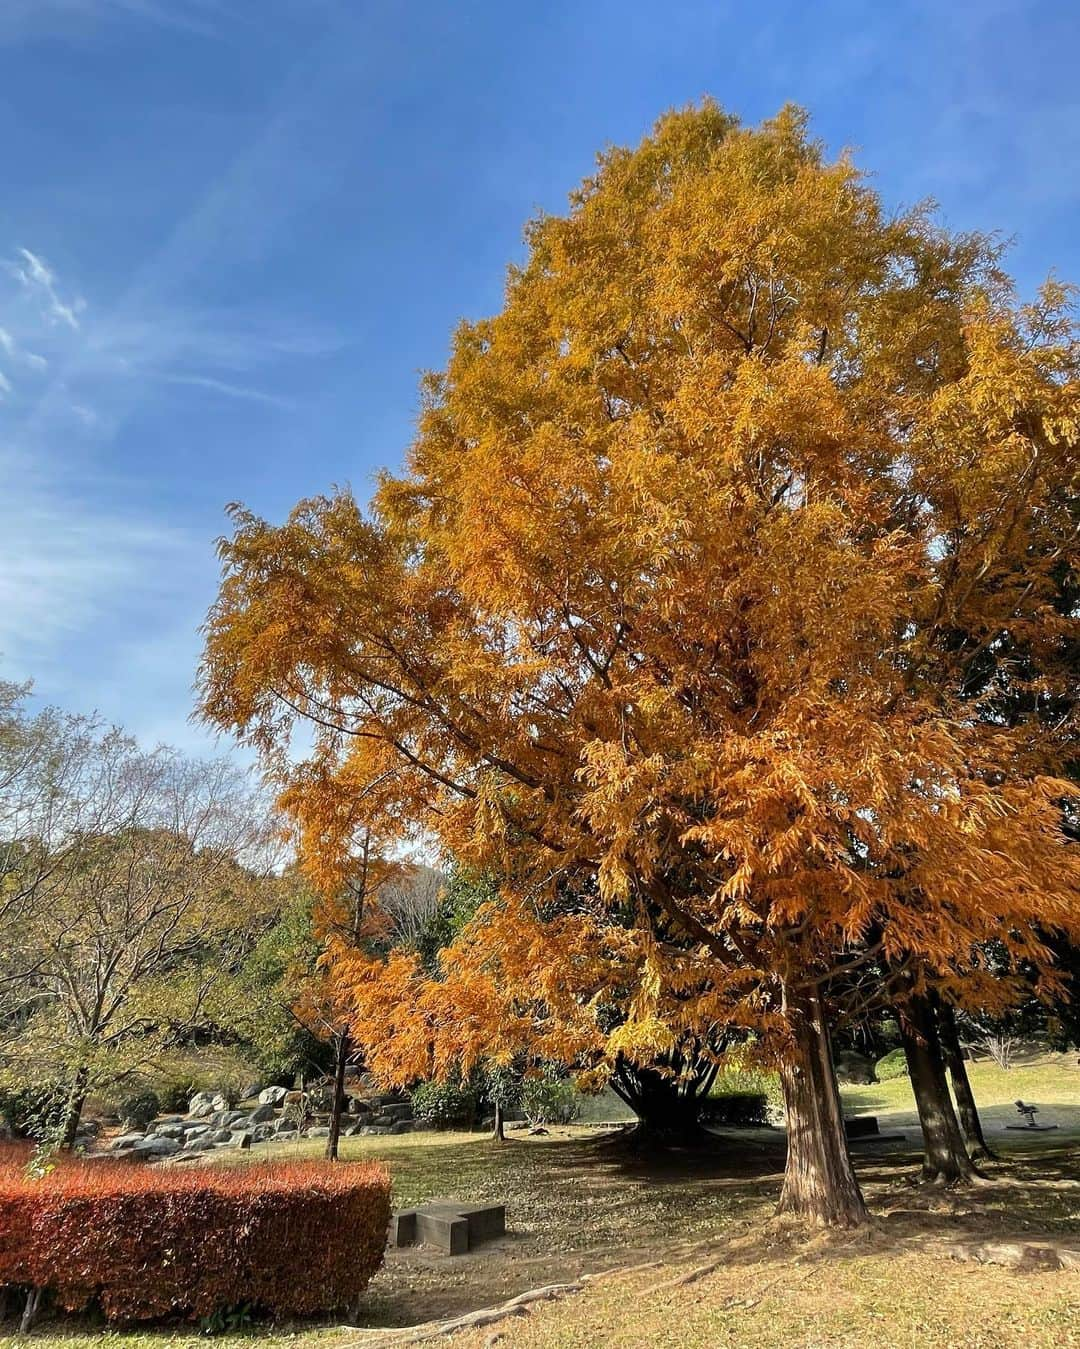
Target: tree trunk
x: 819, y: 1180
x: 337, y: 1108
x: 966, y: 1108
x: 74, y: 1108
x: 498, y: 1134
x: 30, y: 1311
x: 945, y: 1159
x: 668, y: 1115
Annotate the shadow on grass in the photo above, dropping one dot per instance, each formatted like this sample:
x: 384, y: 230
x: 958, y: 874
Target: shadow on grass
x: 580, y: 1206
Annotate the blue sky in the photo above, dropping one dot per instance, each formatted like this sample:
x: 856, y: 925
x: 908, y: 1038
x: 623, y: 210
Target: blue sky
x: 233, y: 232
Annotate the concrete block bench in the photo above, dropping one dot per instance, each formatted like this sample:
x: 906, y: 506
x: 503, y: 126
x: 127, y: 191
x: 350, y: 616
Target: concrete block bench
x: 448, y: 1226
x: 864, y: 1129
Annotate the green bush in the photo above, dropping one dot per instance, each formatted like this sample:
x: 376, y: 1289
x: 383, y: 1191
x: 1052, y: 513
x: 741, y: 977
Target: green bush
x: 751, y: 1081
x: 741, y: 1109
x: 444, y: 1105
x: 893, y: 1065
x: 34, y: 1112
x: 174, y: 1093
x: 549, y: 1099
x: 137, y: 1110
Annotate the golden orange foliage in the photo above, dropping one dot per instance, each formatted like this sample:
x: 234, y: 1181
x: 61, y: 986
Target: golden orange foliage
x: 675, y: 604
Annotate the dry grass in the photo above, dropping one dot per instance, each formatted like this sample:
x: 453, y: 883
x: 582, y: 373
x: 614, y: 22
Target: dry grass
x: 892, y: 1301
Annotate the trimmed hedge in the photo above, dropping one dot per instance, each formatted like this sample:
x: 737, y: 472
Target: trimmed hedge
x: 740, y: 1109
x: 285, y: 1239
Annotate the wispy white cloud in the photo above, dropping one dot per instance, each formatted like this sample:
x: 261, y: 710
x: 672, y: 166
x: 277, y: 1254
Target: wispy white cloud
x: 231, y: 390
x: 23, y: 19
x: 74, y: 558
x: 39, y: 281
x: 63, y: 559
x: 61, y: 358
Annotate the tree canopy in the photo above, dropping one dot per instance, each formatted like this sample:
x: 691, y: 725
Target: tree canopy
x: 677, y: 601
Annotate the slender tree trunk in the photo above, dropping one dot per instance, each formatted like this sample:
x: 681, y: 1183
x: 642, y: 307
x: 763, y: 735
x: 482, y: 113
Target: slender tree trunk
x: 819, y: 1180
x: 74, y: 1108
x: 966, y: 1109
x: 945, y: 1159
x: 30, y: 1311
x: 337, y: 1109
x: 498, y: 1134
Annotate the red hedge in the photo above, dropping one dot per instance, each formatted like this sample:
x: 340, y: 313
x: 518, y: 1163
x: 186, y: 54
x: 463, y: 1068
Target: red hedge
x: 290, y: 1238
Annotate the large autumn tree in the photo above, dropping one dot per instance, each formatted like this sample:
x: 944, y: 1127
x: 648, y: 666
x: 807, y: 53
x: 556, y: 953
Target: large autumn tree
x: 665, y: 606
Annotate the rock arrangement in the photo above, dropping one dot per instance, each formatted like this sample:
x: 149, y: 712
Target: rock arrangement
x: 211, y: 1123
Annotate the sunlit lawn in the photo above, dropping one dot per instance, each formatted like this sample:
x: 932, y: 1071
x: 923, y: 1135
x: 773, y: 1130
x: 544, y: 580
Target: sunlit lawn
x: 577, y: 1205
x: 1050, y: 1081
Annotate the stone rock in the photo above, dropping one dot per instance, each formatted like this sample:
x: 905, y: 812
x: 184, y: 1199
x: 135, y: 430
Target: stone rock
x: 205, y: 1103
x: 373, y: 1130
x: 167, y: 1130
x: 193, y: 1127
x: 251, y: 1091
x: 240, y: 1138
x: 355, y: 1106
x: 201, y: 1105
x: 854, y: 1070
x: 233, y: 1118
x: 262, y: 1132
x: 285, y: 1126
x: 153, y: 1146
x: 126, y: 1141
x: 320, y: 1132
x: 200, y: 1143
x: 222, y: 1135
x: 273, y: 1095
x: 405, y: 1126
x: 261, y: 1114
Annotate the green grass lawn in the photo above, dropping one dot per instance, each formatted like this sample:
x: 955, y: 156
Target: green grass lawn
x: 1050, y: 1081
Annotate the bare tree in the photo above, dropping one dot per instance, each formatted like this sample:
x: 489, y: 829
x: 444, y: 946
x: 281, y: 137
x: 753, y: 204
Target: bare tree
x: 411, y: 902
x: 127, y: 876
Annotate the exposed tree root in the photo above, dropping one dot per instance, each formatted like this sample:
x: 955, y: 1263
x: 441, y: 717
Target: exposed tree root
x: 1019, y: 1253
x: 485, y: 1316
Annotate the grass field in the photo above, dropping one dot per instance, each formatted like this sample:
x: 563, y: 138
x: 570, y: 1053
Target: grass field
x: 1050, y: 1081
x: 687, y: 1252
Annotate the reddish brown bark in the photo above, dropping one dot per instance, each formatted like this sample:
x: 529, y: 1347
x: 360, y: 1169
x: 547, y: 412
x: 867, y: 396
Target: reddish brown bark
x: 819, y: 1180
x: 945, y: 1158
